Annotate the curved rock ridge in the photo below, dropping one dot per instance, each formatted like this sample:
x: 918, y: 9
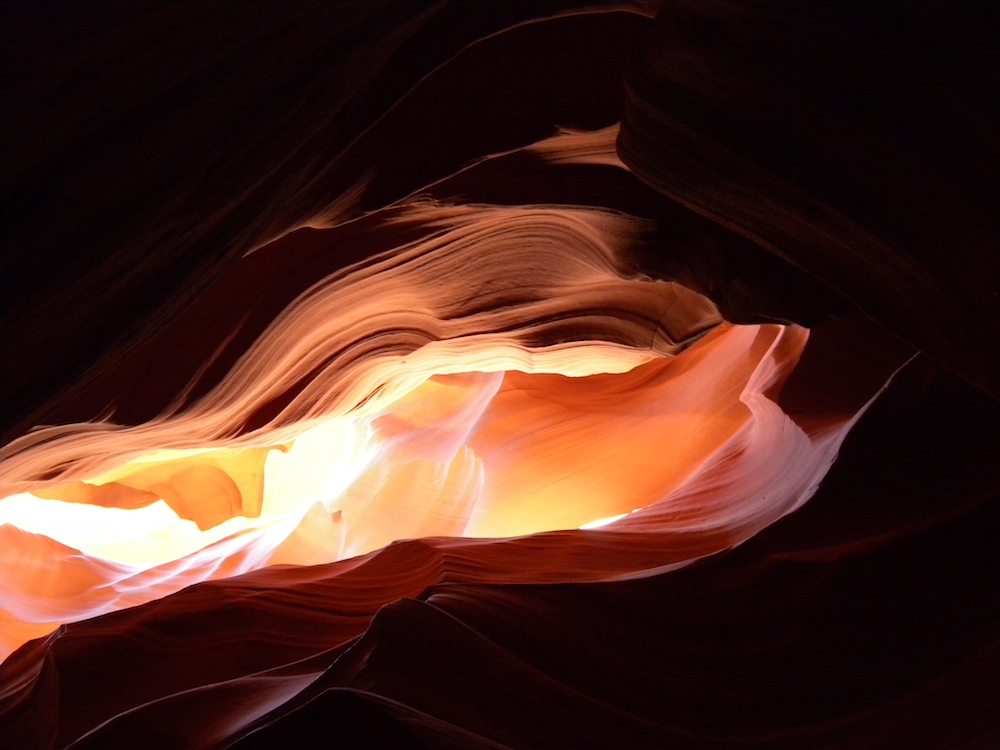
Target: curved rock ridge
x: 557, y: 374
x: 859, y: 143
x: 501, y: 377
x: 380, y: 646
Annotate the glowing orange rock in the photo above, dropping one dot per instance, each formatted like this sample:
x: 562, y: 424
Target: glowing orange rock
x: 504, y: 377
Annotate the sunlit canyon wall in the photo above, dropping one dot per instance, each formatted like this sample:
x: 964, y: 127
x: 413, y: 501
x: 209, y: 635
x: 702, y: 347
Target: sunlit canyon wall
x: 525, y: 375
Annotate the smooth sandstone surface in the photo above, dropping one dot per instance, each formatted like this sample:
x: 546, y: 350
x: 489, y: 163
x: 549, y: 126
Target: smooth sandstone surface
x: 527, y: 375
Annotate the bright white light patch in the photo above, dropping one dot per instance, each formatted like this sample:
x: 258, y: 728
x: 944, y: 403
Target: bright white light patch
x: 603, y: 521
x: 143, y: 536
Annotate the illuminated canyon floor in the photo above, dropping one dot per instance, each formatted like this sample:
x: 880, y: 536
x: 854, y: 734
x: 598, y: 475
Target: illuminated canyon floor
x: 542, y: 375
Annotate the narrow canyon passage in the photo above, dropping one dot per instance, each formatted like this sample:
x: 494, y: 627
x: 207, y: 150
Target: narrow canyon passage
x: 529, y: 374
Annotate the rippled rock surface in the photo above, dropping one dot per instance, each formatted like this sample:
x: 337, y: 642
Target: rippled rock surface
x: 541, y: 375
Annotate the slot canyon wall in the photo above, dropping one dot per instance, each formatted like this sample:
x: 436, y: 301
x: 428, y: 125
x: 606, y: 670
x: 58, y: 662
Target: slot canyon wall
x: 500, y: 375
